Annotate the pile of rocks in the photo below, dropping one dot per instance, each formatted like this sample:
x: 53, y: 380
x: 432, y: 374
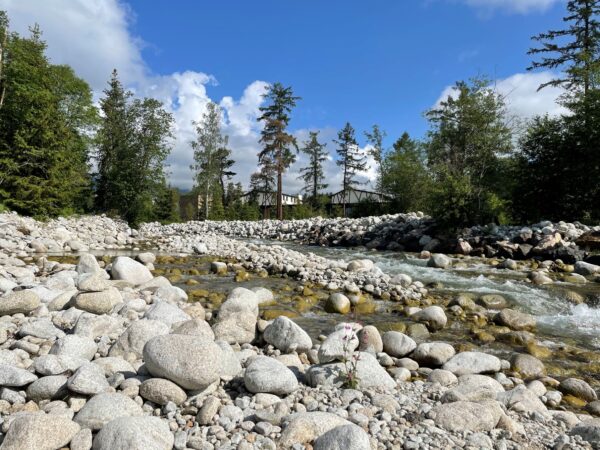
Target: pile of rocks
x: 413, y: 232
x: 111, y: 357
x: 24, y: 235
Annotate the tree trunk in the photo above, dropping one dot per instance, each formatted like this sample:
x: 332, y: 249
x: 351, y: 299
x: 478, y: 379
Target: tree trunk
x: 279, y: 196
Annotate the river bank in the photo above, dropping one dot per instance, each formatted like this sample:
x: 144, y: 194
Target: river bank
x: 191, y: 346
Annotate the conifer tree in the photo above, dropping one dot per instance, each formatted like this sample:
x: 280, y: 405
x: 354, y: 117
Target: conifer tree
x: 313, y: 174
x: 375, y: 138
x: 574, y: 49
x: 277, y: 155
x: 351, y: 159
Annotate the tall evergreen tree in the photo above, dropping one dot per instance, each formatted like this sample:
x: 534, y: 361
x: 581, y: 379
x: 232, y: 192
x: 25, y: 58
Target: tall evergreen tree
x: 4, y: 33
x: 133, y: 142
x: 351, y: 159
x: 277, y: 142
x: 313, y: 174
x: 375, y: 138
x: 211, y: 160
x: 44, y: 121
x: 573, y: 49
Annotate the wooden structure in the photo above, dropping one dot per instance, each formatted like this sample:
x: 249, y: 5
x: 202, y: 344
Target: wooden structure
x: 268, y: 200
x: 351, y: 197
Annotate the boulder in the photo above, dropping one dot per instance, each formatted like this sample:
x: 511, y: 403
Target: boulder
x: 398, y: 344
x: 161, y: 391
x: 370, y: 340
x: 135, y: 433
x: 74, y: 346
x: 98, y: 302
x: 473, y: 388
x: 267, y: 375
x: 527, y: 366
x: 194, y: 327
x: 439, y: 261
x: 306, y: 427
x: 47, y: 388
x: 126, y: 269
x: 11, y: 376
x: 37, y: 431
x: 166, y: 313
x: 492, y: 301
x: 584, y: 268
x: 588, y: 430
x: 284, y: 334
x: 515, y: 320
x: 369, y: 374
x: 57, y: 364
x: 344, y: 437
x: 87, y: 264
x: 442, y: 377
x: 468, y: 416
x: 471, y: 363
x: 433, y: 316
x: 130, y: 343
x: 19, y: 302
x: 338, y: 303
x: 433, y: 353
x: 189, y: 361
x: 578, y: 388
x: 88, y: 379
x: 103, y: 408
x: 339, y: 345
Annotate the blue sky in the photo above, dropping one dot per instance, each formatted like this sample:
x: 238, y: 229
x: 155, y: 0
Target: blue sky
x: 383, y: 62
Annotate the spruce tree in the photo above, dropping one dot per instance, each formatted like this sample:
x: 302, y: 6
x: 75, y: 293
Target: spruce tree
x: 573, y: 49
x: 375, y: 138
x: 278, y: 144
x: 351, y: 159
x: 313, y: 174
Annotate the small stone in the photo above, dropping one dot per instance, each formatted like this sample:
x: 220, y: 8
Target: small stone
x: 161, y: 391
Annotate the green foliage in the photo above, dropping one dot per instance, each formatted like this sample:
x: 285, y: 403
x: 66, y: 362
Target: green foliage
x: 166, y: 206
x: 351, y: 159
x: 132, y: 144
x: 573, y: 49
x: 375, y: 138
x: 212, y: 162
x: 468, y: 137
x: 405, y: 176
x: 313, y: 175
x: 45, y: 119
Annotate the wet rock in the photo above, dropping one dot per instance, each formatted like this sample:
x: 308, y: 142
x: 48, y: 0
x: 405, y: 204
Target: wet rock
x: 360, y: 265
x: 439, y: 261
x: 218, y: 267
x: 584, y: 268
x: 189, y: 361
x: 39, y: 432
x: 338, y: 303
x: 472, y: 363
x: 515, y: 320
x: 433, y: 316
x: 267, y: 375
x: 579, y: 389
x: 135, y: 433
x: 527, y: 366
x: 492, y: 301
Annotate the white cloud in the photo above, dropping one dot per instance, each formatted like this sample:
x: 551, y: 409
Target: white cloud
x: 94, y: 37
x: 514, y: 6
x: 522, y: 97
x: 91, y: 36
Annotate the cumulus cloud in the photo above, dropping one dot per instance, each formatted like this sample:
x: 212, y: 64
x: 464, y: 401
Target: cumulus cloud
x: 514, y: 6
x: 523, y: 100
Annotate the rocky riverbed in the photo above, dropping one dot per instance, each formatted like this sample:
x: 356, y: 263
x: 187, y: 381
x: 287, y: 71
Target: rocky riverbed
x: 186, y: 343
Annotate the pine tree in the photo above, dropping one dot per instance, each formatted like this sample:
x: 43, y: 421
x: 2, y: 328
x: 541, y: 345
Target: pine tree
x: 351, y: 159
x: 44, y: 121
x: 313, y: 174
x: 573, y: 49
x: 375, y: 137
x: 278, y: 143
x: 4, y: 33
x: 211, y: 160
